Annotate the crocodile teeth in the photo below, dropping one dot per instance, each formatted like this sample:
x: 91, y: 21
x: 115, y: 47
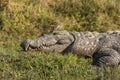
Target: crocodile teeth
x: 44, y: 45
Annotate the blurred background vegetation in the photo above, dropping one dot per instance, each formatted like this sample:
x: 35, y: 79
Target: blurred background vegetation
x: 43, y: 16
x: 21, y: 19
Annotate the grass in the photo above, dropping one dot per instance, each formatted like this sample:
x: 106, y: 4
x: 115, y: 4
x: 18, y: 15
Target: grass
x: 15, y: 64
x: 24, y: 19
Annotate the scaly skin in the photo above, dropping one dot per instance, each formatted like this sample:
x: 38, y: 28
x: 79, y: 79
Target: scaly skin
x: 103, y: 47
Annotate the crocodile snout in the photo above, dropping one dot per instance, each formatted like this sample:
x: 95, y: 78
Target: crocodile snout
x: 25, y: 44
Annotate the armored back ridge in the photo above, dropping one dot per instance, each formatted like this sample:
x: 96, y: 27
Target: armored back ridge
x: 85, y: 43
x: 104, y: 48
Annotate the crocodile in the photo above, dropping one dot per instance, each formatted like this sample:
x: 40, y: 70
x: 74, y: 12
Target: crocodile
x: 103, y: 48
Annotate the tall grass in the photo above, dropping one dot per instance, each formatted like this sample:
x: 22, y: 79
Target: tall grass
x: 46, y: 16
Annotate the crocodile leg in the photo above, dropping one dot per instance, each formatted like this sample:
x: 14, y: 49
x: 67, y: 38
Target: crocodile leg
x: 106, y: 57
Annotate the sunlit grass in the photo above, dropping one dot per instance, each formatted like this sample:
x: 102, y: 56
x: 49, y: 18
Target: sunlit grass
x: 17, y: 64
x: 24, y: 19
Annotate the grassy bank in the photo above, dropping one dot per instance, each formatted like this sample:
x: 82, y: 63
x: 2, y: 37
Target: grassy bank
x: 32, y: 18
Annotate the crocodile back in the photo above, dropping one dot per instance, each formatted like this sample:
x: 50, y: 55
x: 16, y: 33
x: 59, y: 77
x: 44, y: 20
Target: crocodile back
x: 85, y: 43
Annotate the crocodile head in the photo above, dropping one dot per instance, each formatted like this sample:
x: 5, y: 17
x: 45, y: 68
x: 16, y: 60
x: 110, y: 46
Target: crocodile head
x: 56, y: 41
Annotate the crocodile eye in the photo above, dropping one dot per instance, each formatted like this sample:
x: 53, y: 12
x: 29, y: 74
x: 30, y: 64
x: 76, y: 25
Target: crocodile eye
x: 54, y: 33
x: 57, y: 33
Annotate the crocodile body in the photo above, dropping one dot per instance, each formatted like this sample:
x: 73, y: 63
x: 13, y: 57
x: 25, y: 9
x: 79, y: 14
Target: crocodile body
x: 104, y: 48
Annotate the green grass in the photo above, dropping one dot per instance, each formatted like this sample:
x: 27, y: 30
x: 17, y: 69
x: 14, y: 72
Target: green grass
x: 15, y: 64
x: 24, y: 19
